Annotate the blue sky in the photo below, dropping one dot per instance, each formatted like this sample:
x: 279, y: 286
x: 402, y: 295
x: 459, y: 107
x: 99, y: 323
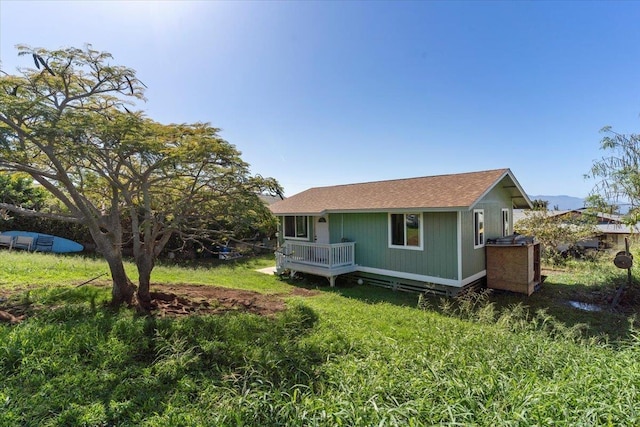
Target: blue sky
x: 323, y: 93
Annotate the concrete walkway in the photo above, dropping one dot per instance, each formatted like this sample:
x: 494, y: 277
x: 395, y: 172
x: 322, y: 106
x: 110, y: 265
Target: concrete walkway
x: 268, y: 270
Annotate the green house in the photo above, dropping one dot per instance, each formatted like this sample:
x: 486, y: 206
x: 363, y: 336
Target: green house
x: 424, y: 233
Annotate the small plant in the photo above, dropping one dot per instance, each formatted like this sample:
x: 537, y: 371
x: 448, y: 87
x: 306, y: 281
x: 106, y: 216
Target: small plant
x: 175, y: 355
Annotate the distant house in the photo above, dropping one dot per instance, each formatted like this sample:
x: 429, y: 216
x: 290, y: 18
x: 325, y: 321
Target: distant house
x: 610, y: 229
x: 417, y: 233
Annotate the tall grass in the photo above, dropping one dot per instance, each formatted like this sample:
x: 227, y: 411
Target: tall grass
x: 343, y: 357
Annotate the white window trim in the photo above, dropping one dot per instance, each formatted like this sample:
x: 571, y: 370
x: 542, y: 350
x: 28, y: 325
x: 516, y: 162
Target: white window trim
x: 484, y: 232
x: 420, y: 231
x: 506, y: 232
x: 305, y: 239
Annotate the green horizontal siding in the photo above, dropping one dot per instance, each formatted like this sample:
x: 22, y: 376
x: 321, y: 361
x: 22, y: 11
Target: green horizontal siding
x: 438, y: 258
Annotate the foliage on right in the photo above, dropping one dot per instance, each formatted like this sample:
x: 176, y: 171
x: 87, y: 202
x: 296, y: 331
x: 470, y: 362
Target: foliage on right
x: 557, y: 234
x: 618, y: 172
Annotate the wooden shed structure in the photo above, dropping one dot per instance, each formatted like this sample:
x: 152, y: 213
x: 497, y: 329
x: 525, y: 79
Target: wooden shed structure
x: 513, y: 264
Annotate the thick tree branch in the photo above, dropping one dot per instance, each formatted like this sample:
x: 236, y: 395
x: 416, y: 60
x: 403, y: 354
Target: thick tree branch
x: 40, y: 214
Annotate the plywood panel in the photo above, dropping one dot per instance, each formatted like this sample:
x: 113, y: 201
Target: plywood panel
x: 513, y: 267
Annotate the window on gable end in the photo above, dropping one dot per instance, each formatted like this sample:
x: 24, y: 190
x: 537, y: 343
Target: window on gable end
x: 478, y: 228
x: 506, y: 223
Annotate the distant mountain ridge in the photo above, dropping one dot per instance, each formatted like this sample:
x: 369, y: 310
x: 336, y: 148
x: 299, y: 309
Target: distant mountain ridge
x: 561, y: 202
x: 565, y: 203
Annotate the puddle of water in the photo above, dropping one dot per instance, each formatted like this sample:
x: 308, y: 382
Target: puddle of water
x: 585, y: 306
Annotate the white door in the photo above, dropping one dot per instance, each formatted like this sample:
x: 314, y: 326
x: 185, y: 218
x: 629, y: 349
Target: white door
x: 322, y: 230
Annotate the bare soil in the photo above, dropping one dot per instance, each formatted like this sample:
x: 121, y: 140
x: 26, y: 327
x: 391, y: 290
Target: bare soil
x: 183, y: 300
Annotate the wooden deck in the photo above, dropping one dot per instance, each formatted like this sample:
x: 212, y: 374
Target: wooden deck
x: 326, y: 260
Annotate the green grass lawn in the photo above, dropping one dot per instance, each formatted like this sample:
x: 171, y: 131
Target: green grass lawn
x: 351, y: 355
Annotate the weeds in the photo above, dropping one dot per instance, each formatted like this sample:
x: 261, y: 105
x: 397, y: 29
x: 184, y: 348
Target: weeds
x: 477, y: 307
x: 332, y: 359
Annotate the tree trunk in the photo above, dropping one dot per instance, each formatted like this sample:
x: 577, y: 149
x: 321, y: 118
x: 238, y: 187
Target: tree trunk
x: 107, y: 234
x: 123, y: 290
x: 145, y: 264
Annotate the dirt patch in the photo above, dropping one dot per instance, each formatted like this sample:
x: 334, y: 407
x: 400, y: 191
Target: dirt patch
x: 186, y: 299
x: 7, y: 316
x: 177, y: 300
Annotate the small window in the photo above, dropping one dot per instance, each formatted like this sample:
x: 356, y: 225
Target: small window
x: 478, y: 227
x: 296, y: 227
x: 506, y: 224
x: 405, y: 230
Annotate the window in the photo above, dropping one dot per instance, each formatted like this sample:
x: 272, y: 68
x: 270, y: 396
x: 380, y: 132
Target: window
x: 506, y: 224
x: 405, y: 230
x: 478, y: 228
x: 296, y: 227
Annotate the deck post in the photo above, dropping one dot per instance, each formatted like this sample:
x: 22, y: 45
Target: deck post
x: 332, y: 281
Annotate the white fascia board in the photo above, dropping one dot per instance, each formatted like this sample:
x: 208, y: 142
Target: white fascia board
x: 474, y: 277
x: 521, y: 190
x: 301, y: 213
x: 497, y: 181
x: 423, y: 278
x: 459, y: 243
x: 410, y: 276
x: 397, y: 210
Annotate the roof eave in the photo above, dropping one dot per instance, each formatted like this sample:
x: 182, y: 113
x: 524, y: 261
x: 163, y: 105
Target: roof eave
x: 523, y: 195
x: 320, y: 213
x: 376, y: 210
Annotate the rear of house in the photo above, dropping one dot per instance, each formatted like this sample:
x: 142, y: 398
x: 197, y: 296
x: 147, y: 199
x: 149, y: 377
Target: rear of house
x: 418, y: 233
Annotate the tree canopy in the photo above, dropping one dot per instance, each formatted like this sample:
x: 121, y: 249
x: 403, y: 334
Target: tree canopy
x: 70, y: 124
x: 617, y: 173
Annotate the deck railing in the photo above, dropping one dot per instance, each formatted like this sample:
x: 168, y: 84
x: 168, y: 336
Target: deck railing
x: 320, y: 255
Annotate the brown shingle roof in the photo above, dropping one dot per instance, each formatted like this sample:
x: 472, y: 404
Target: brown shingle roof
x: 430, y: 192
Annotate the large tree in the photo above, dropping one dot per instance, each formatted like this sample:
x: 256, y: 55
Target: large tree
x: 618, y: 172
x: 130, y: 180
